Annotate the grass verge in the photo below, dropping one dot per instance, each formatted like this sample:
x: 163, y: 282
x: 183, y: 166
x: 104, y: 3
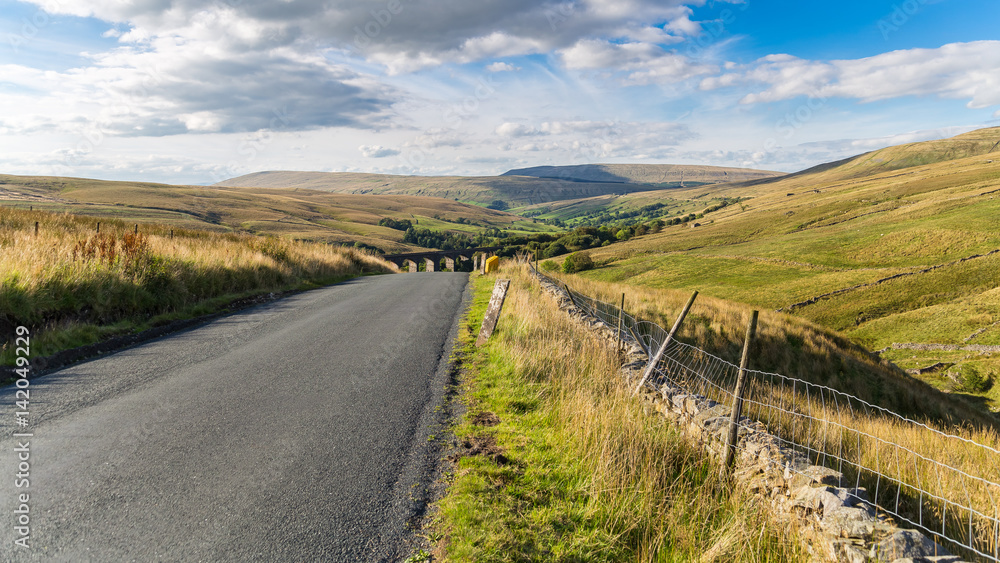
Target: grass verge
x: 558, y: 462
x: 73, y: 286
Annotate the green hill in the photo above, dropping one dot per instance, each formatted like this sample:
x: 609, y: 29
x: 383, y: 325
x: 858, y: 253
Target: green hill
x: 657, y: 174
x: 515, y: 191
x: 893, y: 247
x: 517, y: 188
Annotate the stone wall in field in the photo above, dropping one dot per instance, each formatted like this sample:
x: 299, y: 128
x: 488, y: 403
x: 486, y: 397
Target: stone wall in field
x: 838, y: 523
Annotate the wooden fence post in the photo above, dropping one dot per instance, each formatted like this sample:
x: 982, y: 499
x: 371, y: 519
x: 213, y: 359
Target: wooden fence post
x: 570, y: 294
x: 36, y: 228
x: 741, y: 380
x: 171, y: 234
x: 98, y: 227
x: 136, y: 228
x: 663, y: 347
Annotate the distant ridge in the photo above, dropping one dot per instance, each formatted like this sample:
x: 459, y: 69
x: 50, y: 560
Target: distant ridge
x: 657, y: 174
x: 525, y: 186
x: 483, y: 190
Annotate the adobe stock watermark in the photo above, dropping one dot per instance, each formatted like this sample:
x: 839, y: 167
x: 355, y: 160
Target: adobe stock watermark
x: 30, y: 28
x: 559, y: 14
x: 380, y: 20
x: 900, y: 16
x: 791, y: 122
x: 713, y: 31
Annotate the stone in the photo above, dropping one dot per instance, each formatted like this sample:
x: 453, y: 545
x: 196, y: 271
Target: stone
x: 715, y: 411
x: 816, y: 499
x: 847, y: 521
x: 847, y: 551
x: 795, y: 463
x: 691, y: 405
x: 714, y: 425
x: 678, y: 401
x: 908, y: 544
x: 814, y: 474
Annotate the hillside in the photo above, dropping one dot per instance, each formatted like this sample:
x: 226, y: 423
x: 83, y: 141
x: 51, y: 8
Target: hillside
x: 298, y: 213
x: 893, y: 247
x: 517, y: 188
x: 516, y: 191
x: 973, y: 143
x: 657, y: 174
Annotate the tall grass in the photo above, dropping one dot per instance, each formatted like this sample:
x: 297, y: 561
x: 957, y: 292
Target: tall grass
x: 940, y: 473
x: 588, y: 476
x: 72, y: 285
x: 794, y: 347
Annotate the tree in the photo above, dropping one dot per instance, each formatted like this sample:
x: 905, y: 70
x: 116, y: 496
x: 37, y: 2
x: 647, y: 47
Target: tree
x: 577, y: 262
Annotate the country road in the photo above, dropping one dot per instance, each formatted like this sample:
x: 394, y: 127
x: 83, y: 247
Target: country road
x: 293, y: 431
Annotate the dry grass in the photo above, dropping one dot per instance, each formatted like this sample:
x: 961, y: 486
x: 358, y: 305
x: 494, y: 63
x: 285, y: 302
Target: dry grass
x: 941, y: 474
x: 793, y: 347
x: 590, y: 476
x: 71, y: 280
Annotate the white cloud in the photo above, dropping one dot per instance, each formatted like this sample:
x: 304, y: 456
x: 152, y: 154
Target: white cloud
x: 404, y: 35
x: 968, y: 71
x: 501, y: 67
x: 640, y: 63
x: 509, y: 129
x: 376, y: 151
x: 437, y: 138
x: 193, y: 79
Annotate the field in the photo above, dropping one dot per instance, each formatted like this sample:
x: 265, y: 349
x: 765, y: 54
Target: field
x: 890, y: 247
x: 293, y: 213
x: 73, y: 286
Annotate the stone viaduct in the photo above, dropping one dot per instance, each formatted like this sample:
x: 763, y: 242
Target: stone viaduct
x: 432, y: 258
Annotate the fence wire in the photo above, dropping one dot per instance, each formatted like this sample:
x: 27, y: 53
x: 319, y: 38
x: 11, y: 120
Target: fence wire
x: 908, y: 470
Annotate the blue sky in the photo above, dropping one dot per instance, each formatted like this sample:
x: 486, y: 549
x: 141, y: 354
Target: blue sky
x: 187, y: 91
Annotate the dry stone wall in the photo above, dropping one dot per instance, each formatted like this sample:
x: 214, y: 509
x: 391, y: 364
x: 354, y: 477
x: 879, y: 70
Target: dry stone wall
x: 839, y: 523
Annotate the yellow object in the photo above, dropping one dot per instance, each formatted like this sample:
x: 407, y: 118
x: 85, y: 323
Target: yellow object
x: 492, y: 264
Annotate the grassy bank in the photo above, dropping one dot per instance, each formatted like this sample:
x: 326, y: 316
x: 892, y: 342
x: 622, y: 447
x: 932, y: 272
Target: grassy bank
x: 796, y: 347
x: 73, y: 286
x: 561, y: 464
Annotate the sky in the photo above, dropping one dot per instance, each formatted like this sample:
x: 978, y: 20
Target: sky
x: 195, y: 92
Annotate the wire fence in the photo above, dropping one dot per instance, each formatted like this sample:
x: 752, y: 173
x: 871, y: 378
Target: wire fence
x: 945, y: 485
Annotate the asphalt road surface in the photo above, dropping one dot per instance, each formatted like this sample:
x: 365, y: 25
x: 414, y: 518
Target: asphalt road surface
x: 293, y: 431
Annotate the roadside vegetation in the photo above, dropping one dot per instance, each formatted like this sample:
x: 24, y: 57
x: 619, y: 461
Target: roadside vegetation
x: 558, y: 462
x: 799, y: 348
x: 74, y: 286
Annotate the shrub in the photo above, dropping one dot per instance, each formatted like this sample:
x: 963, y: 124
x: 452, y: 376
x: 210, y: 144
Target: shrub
x: 970, y: 380
x: 577, y: 262
x: 550, y: 266
x: 554, y: 249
